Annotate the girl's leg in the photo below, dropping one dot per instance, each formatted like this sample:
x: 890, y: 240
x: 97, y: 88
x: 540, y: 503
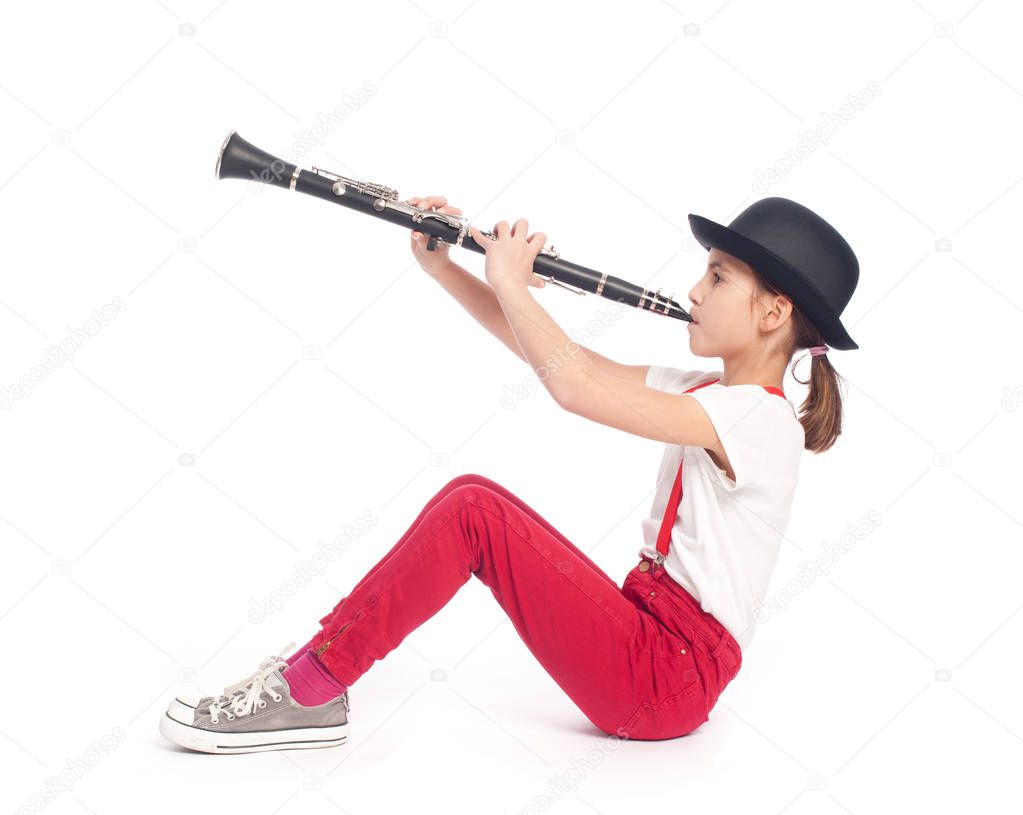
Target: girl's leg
x: 468, y: 478
x: 607, y: 654
x: 317, y: 637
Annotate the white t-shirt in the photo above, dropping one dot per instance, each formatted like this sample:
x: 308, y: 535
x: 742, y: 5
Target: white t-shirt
x: 727, y: 534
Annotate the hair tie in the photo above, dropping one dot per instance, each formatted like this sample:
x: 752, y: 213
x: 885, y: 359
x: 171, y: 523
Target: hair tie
x: 817, y: 350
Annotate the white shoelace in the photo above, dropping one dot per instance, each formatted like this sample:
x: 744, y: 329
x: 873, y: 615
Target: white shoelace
x: 244, y: 696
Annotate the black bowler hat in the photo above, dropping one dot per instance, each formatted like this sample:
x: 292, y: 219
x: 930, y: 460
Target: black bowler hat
x: 795, y: 250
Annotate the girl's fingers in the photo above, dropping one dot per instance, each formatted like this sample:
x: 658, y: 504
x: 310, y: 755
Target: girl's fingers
x: 520, y: 228
x: 478, y: 236
x: 429, y: 202
x: 536, y: 245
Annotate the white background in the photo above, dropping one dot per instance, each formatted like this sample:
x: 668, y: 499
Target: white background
x: 890, y: 681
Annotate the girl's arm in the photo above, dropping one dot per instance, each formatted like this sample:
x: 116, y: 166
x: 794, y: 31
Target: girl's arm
x: 580, y: 386
x: 479, y: 299
x: 573, y: 379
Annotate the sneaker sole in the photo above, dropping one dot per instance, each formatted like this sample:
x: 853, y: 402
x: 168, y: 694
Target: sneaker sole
x: 208, y: 741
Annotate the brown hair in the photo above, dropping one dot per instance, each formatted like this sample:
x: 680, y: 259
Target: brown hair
x: 821, y: 411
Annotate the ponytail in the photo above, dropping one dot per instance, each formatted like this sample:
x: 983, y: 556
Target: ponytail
x: 821, y: 411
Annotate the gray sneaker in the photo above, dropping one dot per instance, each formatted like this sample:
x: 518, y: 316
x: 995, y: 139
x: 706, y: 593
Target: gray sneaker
x: 260, y: 716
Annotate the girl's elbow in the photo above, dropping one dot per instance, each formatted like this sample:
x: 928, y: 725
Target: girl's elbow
x: 570, y: 386
x: 563, y: 403
x: 566, y: 395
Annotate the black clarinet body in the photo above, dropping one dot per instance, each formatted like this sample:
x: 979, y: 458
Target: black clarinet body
x: 240, y: 159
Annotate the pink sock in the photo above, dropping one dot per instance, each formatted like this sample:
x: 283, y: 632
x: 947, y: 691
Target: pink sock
x: 310, y: 682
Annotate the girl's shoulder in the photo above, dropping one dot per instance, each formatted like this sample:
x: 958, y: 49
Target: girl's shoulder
x: 762, y: 437
x: 676, y: 380
x: 776, y: 412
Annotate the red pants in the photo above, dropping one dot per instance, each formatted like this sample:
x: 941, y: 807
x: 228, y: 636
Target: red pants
x: 643, y: 661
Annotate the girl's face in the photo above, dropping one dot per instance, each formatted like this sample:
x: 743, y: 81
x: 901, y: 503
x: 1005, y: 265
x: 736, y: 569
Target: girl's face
x: 725, y: 325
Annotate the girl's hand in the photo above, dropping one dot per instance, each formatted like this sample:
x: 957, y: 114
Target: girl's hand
x: 511, y: 254
x: 436, y: 261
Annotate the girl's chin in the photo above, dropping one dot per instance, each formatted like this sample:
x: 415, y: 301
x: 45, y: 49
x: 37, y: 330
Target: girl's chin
x: 693, y: 340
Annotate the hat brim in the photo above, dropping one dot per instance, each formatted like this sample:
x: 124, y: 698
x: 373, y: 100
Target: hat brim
x: 777, y: 272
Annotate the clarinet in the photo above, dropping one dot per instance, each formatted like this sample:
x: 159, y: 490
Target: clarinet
x: 240, y: 159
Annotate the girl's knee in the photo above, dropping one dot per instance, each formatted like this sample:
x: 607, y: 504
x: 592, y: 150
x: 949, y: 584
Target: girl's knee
x: 459, y: 483
x: 471, y: 485
x: 467, y: 479
x: 467, y: 491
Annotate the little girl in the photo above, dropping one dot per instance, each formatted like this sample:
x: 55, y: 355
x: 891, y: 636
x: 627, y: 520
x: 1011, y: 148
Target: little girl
x: 649, y: 659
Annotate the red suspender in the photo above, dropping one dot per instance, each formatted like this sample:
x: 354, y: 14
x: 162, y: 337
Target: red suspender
x: 664, y: 536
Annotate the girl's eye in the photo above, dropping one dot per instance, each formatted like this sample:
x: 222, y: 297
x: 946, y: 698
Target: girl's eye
x: 717, y: 277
